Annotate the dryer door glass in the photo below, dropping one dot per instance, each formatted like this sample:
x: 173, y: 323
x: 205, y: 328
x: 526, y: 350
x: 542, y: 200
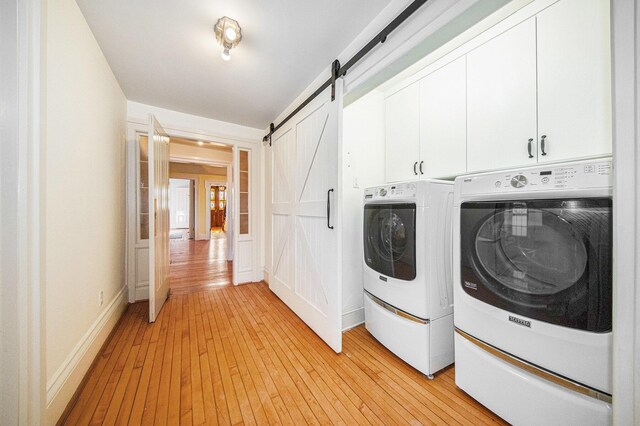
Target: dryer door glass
x: 548, y: 260
x: 389, y: 239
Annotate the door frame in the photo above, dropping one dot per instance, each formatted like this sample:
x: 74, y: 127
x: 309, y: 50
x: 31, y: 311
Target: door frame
x: 137, y: 125
x: 625, y: 41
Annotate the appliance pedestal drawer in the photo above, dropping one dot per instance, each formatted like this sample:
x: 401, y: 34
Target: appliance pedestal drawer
x: 519, y: 396
x: 427, y: 347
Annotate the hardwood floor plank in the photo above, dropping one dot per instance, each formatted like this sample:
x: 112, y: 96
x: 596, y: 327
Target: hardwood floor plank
x: 98, y: 407
x: 144, y: 406
x: 218, y: 353
x: 252, y: 378
x: 209, y: 400
x: 222, y: 354
x: 173, y: 412
x: 131, y: 388
x: 87, y: 400
x: 324, y: 397
x: 373, y: 396
x: 197, y: 400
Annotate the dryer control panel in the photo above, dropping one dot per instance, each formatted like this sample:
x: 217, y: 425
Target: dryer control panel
x: 391, y: 191
x: 578, y: 175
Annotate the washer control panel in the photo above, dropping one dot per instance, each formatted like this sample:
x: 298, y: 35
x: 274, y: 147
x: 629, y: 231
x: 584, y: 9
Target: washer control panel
x: 584, y: 174
x: 402, y: 190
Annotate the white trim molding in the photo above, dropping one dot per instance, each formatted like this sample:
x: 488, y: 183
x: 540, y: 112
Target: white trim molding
x: 625, y: 25
x: 65, y: 381
x: 352, y: 318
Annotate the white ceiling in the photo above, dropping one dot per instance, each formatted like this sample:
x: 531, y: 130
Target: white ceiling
x: 164, y: 52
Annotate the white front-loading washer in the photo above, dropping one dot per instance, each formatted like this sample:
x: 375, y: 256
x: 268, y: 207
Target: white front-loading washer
x: 407, y: 271
x: 533, y: 292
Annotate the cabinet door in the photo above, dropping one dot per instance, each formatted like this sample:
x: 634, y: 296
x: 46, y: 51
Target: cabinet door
x: 402, y: 132
x: 574, y: 80
x: 501, y: 100
x: 443, y: 121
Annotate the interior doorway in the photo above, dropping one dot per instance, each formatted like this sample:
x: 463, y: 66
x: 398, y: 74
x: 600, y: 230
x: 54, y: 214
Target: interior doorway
x: 181, y: 209
x: 196, y: 259
x: 200, y: 259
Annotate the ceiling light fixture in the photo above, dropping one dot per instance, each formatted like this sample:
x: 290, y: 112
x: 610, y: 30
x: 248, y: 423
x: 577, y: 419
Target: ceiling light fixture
x: 200, y: 143
x: 228, y: 33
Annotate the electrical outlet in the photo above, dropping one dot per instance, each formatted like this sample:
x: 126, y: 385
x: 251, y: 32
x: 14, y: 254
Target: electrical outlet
x: 355, y: 182
x: 100, y: 297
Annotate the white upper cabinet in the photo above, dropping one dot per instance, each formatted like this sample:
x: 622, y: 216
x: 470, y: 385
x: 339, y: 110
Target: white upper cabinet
x: 443, y: 121
x: 574, y: 80
x: 501, y: 100
x: 402, y: 134
x: 533, y: 90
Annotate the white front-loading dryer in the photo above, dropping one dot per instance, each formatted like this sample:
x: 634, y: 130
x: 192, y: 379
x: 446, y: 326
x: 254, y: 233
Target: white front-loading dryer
x: 533, y: 291
x: 407, y: 270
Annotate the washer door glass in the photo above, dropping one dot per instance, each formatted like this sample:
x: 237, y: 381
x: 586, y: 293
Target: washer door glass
x: 521, y: 254
x: 389, y: 239
x: 545, y: 259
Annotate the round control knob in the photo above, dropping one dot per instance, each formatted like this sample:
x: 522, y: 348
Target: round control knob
x: 518, y: 181
x: 383, y: 192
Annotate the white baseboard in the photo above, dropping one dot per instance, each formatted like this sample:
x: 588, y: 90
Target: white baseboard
x: 202, y: 237
x: 65, y: 381
x: 266, y: 275
x: 352, y: 318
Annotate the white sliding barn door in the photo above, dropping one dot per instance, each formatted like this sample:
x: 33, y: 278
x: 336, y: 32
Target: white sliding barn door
x: 159, y: 217
x: 306, y: 269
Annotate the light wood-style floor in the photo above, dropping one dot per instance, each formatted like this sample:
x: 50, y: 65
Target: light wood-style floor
x: 232, y: 355
x: 199, y: 264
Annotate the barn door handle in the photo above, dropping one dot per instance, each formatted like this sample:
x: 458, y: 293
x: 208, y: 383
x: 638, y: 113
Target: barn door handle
x: 329, y: 209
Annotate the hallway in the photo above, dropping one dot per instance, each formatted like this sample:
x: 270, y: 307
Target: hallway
x: 199, y: 264
x: 238, y: 355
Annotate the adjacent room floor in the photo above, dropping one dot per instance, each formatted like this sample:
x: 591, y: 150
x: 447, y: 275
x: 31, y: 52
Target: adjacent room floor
x: 237, y: 354
x: 199, y: 264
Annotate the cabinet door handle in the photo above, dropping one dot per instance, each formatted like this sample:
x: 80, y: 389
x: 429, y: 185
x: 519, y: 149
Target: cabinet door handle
x: 329, y: 209
x: 415, y: 172
x: 421, y: 172
x: 542, y: 141
x: 529, y: 148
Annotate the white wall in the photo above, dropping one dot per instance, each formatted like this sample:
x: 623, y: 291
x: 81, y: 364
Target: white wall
x: 199, y: 153
x: 83, y: 201
x: 363, y: 154
x: 174, y: 120
x: 9, y: 341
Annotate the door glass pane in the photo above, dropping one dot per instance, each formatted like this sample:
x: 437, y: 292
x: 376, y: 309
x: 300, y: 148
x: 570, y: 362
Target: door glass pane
x: 244, y: 191
x: 143, y: 188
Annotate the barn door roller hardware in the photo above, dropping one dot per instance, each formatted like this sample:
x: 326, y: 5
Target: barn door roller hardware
x: 338, y: 71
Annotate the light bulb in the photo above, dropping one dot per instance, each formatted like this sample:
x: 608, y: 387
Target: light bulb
x: 200, y: 143
x: 225, y: 54
x: 230, y: 34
